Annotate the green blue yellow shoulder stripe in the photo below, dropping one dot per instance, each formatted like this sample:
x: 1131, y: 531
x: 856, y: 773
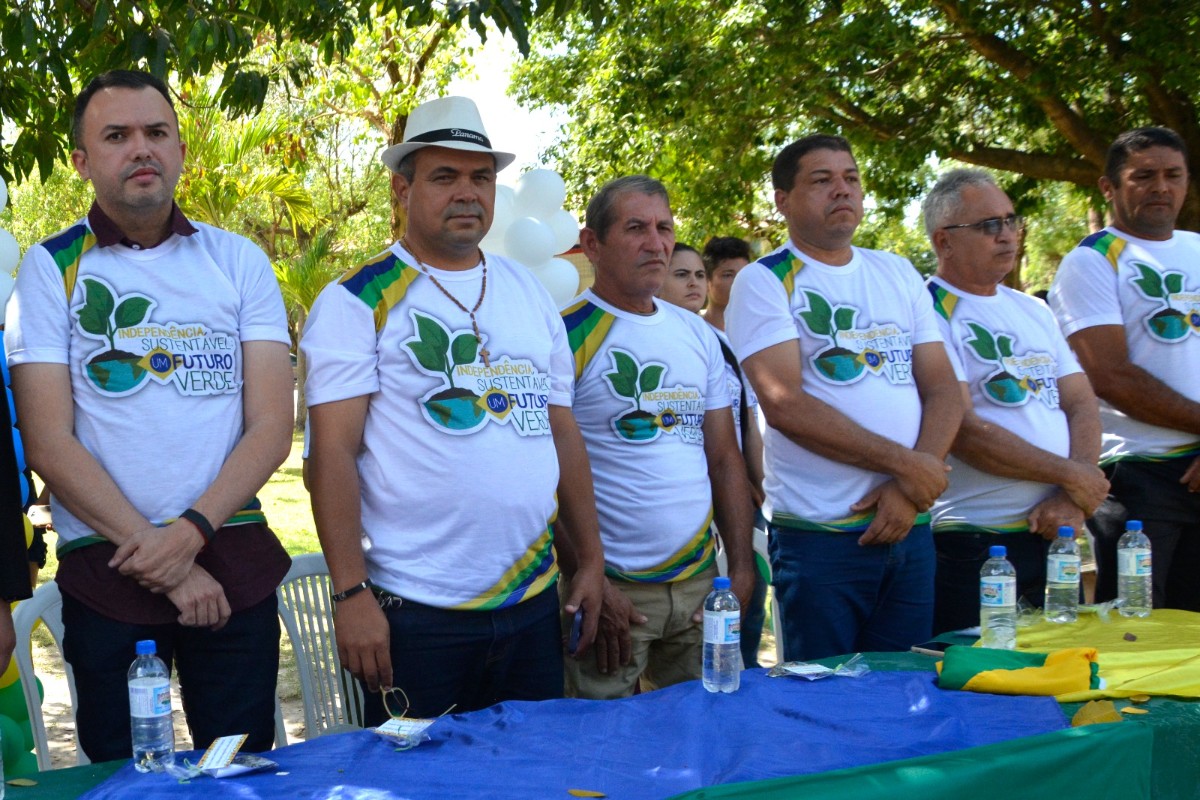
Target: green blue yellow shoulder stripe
x: 785, y: 266
x: 944, y: 300
x: 587, y: 325
x: 381, y: 283
x: 1107, y: 244
x: 67, y: 248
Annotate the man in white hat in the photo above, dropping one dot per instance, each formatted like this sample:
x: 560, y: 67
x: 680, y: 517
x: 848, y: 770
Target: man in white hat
x: 443, y: 447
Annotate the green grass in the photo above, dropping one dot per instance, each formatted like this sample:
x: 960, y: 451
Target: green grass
x: 285, y: 502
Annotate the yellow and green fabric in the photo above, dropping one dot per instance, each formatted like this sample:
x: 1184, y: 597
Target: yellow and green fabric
x: 982, y: 669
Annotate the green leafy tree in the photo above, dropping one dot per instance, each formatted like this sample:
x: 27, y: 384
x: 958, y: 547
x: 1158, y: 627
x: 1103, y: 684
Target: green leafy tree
x: 48, y: 48
x: 702, y: 93
x: 301, y: 278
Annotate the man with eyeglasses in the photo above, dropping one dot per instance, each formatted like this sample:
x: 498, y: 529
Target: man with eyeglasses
x: 842, y: 348
x: 1128, y: 300
x: 1024, y: 460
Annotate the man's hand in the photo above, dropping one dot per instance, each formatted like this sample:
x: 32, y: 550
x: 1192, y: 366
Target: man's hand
x: 894, y: 514
x: 364, y: 640
x: 159, y: 558
x: 741, y: 583
x: 1191, y: 478
x: 614, y: 646
x: 201, y: 600
x: 587, y: 592
x: 923, y: 479
x: 1052, y: 513
x: 1087, y: 487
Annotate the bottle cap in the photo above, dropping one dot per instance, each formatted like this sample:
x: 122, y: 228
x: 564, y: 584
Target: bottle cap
x: 1066, y: 532
x: 997, y: 551
x: 146, y: 647
x: 1133, y: 525
x: 720, y: 582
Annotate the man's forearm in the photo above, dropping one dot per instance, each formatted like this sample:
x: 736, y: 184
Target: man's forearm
x: 577, y: 531
x: 1139, y: 395
x: 733, y: 511
x: 337, y: 512
x: 998, y: 451
x: 820, y: 428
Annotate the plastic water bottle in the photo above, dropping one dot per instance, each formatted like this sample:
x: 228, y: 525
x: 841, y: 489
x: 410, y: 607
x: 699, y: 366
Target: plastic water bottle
x: 1062, y: 577
x: 722, y: 639
x: 1135, y: 588
x: 998, y: 601
x: 150, y: 710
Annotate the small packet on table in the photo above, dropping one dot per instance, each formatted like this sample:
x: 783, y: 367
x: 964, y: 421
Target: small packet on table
x: 405, y: 732
x: 222, y: 760
x: 855, y: 667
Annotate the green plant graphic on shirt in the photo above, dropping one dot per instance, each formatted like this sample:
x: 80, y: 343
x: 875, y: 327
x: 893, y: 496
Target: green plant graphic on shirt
x: 1169, y: 324
x: 1002, y: 386
x: 836, y: 363
x: 631, y: 381
x: 101, y: 316
x: 437, y: 354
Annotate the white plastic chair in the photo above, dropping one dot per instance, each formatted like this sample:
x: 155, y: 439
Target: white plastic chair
x: 44, y: 606
x: 333, y: 701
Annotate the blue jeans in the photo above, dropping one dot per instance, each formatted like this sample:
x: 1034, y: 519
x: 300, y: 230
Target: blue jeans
x: 839, y: 597
x: 1170, y: 514
x: 226, y: 677
x: 960, y: 557
x: 471, y: 659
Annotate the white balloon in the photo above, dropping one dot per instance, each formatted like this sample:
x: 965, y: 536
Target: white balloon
x: 10, y: 252
x: 540, y: 192
x: 560, y: 278
x: 6, y: 287
x: 494, y: 243
x: 502, y: 213
x: 3, y: 194
x: 566, y: 230
x: 529, y: 241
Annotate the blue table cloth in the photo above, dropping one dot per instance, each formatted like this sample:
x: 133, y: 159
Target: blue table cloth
x: 650, y: 746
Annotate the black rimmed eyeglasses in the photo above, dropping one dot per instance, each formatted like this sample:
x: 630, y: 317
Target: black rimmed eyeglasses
x: 993, y: 226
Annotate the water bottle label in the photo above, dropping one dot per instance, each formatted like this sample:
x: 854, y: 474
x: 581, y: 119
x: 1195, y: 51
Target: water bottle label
x: 997, y: 591
x: 1062, y: 569
x: 153, y: 700
x: 722, y: 627
x: 1133, y: 561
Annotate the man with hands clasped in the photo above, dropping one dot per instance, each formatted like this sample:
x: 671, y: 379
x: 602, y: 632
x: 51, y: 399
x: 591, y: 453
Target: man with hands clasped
x: 843, y: 351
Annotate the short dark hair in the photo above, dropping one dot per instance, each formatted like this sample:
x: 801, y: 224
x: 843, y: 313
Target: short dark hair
x: 783, y: 173
x: 115, y: 79
x: 723, y: 248
x: 1135, y: 141
x: 600, y: 209
x: 680, y: 247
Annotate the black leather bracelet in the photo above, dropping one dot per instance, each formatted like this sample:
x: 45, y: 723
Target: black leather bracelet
x: 353, y: 590
x: 201, y: 522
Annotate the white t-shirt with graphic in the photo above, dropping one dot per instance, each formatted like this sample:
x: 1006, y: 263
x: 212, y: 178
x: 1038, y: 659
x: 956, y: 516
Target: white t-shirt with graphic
x: 640, y: 400
x: 458, y: 469
x: 1152, y: 290
x: 857, y: 325
x: 153, y: 339
x: 1009, y: 351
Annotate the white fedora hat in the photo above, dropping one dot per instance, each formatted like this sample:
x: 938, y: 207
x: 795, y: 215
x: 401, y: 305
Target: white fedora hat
x: 452, y: 122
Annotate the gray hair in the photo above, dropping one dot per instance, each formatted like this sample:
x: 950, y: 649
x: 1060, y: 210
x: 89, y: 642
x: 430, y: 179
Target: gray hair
x: 946, y: 195
x: 601, y: 208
